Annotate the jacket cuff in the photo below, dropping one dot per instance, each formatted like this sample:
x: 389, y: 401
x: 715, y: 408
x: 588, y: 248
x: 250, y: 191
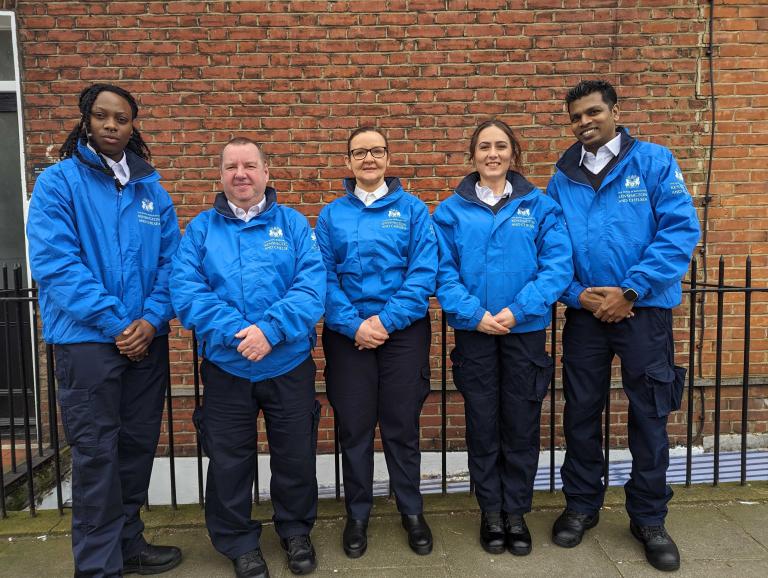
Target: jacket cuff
x: 386, y: 321
x: 519, y: 314
x: 350, y: 329
x: 116, y: 327
x: 271, y: 332
x: 477, y: 317
x: 153, y: 319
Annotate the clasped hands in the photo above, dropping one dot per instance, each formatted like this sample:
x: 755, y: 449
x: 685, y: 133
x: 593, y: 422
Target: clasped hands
x: 370, y: 334
x: 254, y: 345
x: 498, y: 324
x: 134, y: 340
x: 607, y: 303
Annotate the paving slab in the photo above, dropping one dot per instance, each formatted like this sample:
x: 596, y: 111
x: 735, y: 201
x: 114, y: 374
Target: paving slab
x: 32, y: 558
x: 466, y: 557
x: 751, y: 516
x: 700, y: 569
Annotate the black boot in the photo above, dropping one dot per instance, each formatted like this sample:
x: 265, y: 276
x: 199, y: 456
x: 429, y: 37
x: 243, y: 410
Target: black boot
x: 519, y: 540
x: 355, y: 538
x: 660, y: 549
x: 492, y: 537
x: 419, y: 534
x: 569, y: 528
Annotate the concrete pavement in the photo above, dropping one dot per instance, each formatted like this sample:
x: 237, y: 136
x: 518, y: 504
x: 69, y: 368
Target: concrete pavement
x: 720, y: 531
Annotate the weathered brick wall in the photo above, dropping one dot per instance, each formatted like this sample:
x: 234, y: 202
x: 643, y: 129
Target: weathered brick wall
x: 299, y: 75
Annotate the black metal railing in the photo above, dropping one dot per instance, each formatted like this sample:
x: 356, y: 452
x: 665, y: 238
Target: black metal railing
x: 23, y: 352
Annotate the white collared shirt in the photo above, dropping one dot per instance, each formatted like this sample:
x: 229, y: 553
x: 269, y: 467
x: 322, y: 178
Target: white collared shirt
x: 596, y: 163
x: 369, y: 198
x: 486, y: 195
x: 244, y: 215
x: 120, y: 168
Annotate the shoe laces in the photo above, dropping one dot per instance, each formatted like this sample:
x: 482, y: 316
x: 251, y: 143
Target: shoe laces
x: 297, y: 543
x: 252, y: 556
x: 654, y: 533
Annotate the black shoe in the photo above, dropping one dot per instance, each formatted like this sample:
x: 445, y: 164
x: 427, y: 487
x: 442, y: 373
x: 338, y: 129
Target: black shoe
x: 355, y: 538
x: 153, y: 560
x: 419, y: 534
x: 492, y: 537
x: 251, y: 565
x: 660, y: 549
x: 569, y: 528
x: 519, y: 540
x: 301, y: 554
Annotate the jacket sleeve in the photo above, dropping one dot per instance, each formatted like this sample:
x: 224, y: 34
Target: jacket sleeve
x: 197, y: 305
x: 570, y: 296
x: 157, y: 306
x: 54, y: 254
x: 340, y: 314
x: 666, y: 260
x: 451, y: 292
x: 295, y: 314
x: 554, y: 272
x: 411, y: 301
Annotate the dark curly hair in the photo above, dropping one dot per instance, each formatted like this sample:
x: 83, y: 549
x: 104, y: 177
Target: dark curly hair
x: 80, y: 132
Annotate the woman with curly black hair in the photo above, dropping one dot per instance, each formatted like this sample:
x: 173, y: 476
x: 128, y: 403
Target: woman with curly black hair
x: 102, y: 232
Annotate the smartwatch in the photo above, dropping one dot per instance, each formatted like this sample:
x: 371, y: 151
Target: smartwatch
x: 630, y: 294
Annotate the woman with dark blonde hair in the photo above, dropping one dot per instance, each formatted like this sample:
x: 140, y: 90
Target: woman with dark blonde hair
x: 381, y: 256
x: 505, y: 258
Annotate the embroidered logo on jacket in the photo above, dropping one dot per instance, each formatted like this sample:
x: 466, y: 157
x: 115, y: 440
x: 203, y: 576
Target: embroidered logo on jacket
x: 394, y: 220
x: 632, y: 191
x: 147, y: 214
x: 632, y: 182
x: 677, y: 187
x: 523, y: 218
x: 276, y: 242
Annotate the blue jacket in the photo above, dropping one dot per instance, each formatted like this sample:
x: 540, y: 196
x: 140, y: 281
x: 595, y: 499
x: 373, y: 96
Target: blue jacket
x: 381, y: 259
x: 101, y: 258
x: 519, y: 257
x: 637, y: 231
x: 229, y: 274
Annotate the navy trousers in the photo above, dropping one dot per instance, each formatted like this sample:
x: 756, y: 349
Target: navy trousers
x: 111, y: 409
x: 227, y: 425
x: 503, y: 380
x: 654, y: 387
x: 387, y: 385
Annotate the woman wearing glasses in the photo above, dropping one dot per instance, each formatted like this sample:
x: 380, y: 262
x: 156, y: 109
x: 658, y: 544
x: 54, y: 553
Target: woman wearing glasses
x: 380, y: 252
x: 505, y: 258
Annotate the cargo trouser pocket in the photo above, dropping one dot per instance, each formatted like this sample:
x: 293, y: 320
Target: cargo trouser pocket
x: 198, y: 420
x: 665, y: 383
x: 457, y: 368
x: 543, y: 369
x: 315, y: 423
x: 76, y: 417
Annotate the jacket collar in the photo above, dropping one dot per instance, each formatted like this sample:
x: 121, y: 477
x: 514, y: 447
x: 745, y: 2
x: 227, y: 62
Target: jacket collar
x: 221, y: 206
x: 520, y: 186
x: 569, y: 162
x: 139, y: 168
x: 395, y: 189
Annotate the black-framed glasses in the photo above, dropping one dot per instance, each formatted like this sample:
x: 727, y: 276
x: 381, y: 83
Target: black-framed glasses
x: 376, y: 152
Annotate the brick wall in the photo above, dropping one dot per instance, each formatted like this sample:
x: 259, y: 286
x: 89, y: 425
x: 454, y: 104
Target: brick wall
x: 299, y: 75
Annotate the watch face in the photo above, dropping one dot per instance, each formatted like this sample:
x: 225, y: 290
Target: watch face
x: 630, y: 294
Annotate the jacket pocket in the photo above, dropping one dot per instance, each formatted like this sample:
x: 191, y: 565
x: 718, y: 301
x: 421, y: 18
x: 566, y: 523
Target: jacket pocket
x: 665, y: 385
